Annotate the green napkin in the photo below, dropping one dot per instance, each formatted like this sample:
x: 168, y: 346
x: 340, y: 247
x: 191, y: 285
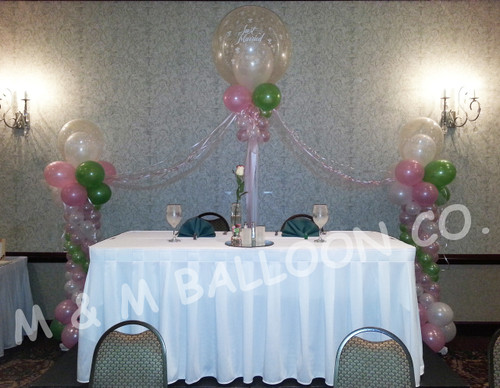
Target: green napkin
x: 300, y: 227
x: 198, y: 226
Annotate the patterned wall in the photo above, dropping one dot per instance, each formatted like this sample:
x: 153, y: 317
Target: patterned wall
x: 143, y: 72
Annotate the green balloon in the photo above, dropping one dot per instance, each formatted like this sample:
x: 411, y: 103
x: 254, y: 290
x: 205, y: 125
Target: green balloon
x: 434, y: 278
x: 443, y: 196
x: 424, y: 259
x: 266, y: 114
x: 440, y: 173
x: 99, y: 194
x: 89, y: 174
x: 432, y: 269
x: 266, y: 97
x: 78, y: 257
x: 56, y: 328
x: 403, y: 228
x: 405, y: 237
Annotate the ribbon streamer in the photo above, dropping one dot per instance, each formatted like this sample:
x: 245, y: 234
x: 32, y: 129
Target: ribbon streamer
x: 251, y: 181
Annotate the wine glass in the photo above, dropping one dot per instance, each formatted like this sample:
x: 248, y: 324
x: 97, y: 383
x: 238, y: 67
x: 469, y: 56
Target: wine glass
x: 320, y: 217
x: 174, y: 216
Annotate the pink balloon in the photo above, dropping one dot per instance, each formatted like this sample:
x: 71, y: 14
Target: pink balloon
x: 422, y: 312
x: 109, y: 170
x: 433, y: 337
x: 74, y: 195
x: 59, y: 174
x: 65, y: 310
x: 242, y: 135
x: 69, y: 336
x: 237, y: 98
x: 264, y: 136
x: 425, y: 193
x: 409, y: 172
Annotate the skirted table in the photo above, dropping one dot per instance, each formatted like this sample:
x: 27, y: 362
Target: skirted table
x: 15, y: 294
x: 278, y: 311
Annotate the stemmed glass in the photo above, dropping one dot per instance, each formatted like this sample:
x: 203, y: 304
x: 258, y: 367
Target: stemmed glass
x: 320, y: 218
x: 174, y: 216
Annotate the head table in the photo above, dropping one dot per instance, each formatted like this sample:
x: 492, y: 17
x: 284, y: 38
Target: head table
x: 277, y: 311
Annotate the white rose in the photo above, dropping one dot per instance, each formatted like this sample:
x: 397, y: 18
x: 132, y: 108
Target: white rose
x: 240, y: 170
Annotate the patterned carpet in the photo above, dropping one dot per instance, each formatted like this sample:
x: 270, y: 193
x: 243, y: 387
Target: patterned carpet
x: 23, y: 365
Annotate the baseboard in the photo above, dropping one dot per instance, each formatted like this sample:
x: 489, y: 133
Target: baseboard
x: 486, y: 329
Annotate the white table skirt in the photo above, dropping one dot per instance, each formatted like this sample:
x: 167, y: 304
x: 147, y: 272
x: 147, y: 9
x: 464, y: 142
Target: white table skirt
x: 15, y: 293
x: 277, y: 312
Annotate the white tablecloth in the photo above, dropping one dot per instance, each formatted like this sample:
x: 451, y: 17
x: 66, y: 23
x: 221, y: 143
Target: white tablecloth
x: 277, y: 312
x: 15, y: 293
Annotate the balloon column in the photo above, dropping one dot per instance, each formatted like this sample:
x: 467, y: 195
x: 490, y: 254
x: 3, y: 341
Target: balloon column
x: 420, y: 188
x: 83, y: 184
x: 251, y: 50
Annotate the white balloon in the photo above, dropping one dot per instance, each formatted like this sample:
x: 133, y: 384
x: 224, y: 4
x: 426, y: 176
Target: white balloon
x: 439, y: 314
x: 81, y: 147
x: 424, y: 126
x: 419, y: 147
x: 253, y: 65
x: 74, y: 126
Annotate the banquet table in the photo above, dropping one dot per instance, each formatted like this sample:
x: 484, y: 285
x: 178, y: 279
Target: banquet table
x: 15, y: 293
x: 278, y: 311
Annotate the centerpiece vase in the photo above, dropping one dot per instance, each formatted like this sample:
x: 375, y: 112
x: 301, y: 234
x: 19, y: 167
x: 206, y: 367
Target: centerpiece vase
x: 235, y: 214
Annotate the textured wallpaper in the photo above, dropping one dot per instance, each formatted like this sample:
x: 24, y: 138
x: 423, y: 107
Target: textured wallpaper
x: 143, y: 72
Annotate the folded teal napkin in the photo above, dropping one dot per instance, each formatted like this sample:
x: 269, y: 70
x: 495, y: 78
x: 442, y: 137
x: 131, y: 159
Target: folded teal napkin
x: 300, y: 227
x: 197, y: 226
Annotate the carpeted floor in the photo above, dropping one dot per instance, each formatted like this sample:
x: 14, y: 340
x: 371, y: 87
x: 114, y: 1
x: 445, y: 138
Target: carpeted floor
x: 24, y: 364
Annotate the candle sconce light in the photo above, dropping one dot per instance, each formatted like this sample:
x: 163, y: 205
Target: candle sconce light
x: 468, y: 110
x: 19, y: 121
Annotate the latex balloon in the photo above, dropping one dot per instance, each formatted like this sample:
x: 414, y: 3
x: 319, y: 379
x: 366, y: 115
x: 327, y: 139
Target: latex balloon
x: 443, y: 196
x: 56, y: 328
x: 419, y: 147
x: 236, y: 98
x: 251, y: 42
x: 59, y: 174
x: 424, y: 193
x: 253, y: 64
x: 399, y: 194
x: 449, y: 331
x: 69, y: 336
x: 440, y: 172
x: 64, y: 310
x: 433, y: 336
x: 266, y: 96
x: 78, y: 125
x: 99, y: 194
x: 409, y: 172
x: 425, y: 126
x: 80, y: 147
x: 74, y: 194
x: 439, y: 314
x: 89, y: 173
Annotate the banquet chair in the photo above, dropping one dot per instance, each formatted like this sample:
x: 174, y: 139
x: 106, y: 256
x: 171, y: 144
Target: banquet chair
x: 362, y: 363
x: 218, y: 222
x: 494, y: 360
x: 129, y: 360
x: 294, y: 217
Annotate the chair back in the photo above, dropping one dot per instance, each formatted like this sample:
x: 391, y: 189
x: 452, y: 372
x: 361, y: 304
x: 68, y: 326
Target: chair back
x: 294, y: 217
x: 218, y: 222
x: 129, y: 360
x: 494, y: 360
x: 361, y: 363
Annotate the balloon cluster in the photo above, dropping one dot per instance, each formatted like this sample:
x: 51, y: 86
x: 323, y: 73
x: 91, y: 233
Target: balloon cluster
x: 251, y: 50
x: 420, y: 188
x: 83, y: 184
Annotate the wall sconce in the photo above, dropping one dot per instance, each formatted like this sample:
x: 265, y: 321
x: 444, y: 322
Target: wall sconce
x: 451, y: 119
x: 21, y: 124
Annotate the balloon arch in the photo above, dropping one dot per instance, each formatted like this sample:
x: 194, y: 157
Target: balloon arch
x: 251, y: 51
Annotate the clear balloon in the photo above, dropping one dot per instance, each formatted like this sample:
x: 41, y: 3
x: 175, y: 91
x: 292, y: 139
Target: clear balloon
x: 81, y: 147
x: 59, y: 174
x: 425, y: 126
x: 426, y: 299
x: 419, y: 147
x: 440, y: 314
x: 78, y: 125
x: 253, y: 64
x: 399, y: 194
x: 251, y: 41
x: 449, y: 331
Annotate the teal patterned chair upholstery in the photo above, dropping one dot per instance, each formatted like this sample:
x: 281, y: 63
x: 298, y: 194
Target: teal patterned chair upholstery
x: 362, y: 363
x: 129, y: 360
x: 494, y: 360
x: 218, y: 222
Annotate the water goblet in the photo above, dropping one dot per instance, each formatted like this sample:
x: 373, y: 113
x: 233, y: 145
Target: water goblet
x: 320, y: 218
x: 174, y: 216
